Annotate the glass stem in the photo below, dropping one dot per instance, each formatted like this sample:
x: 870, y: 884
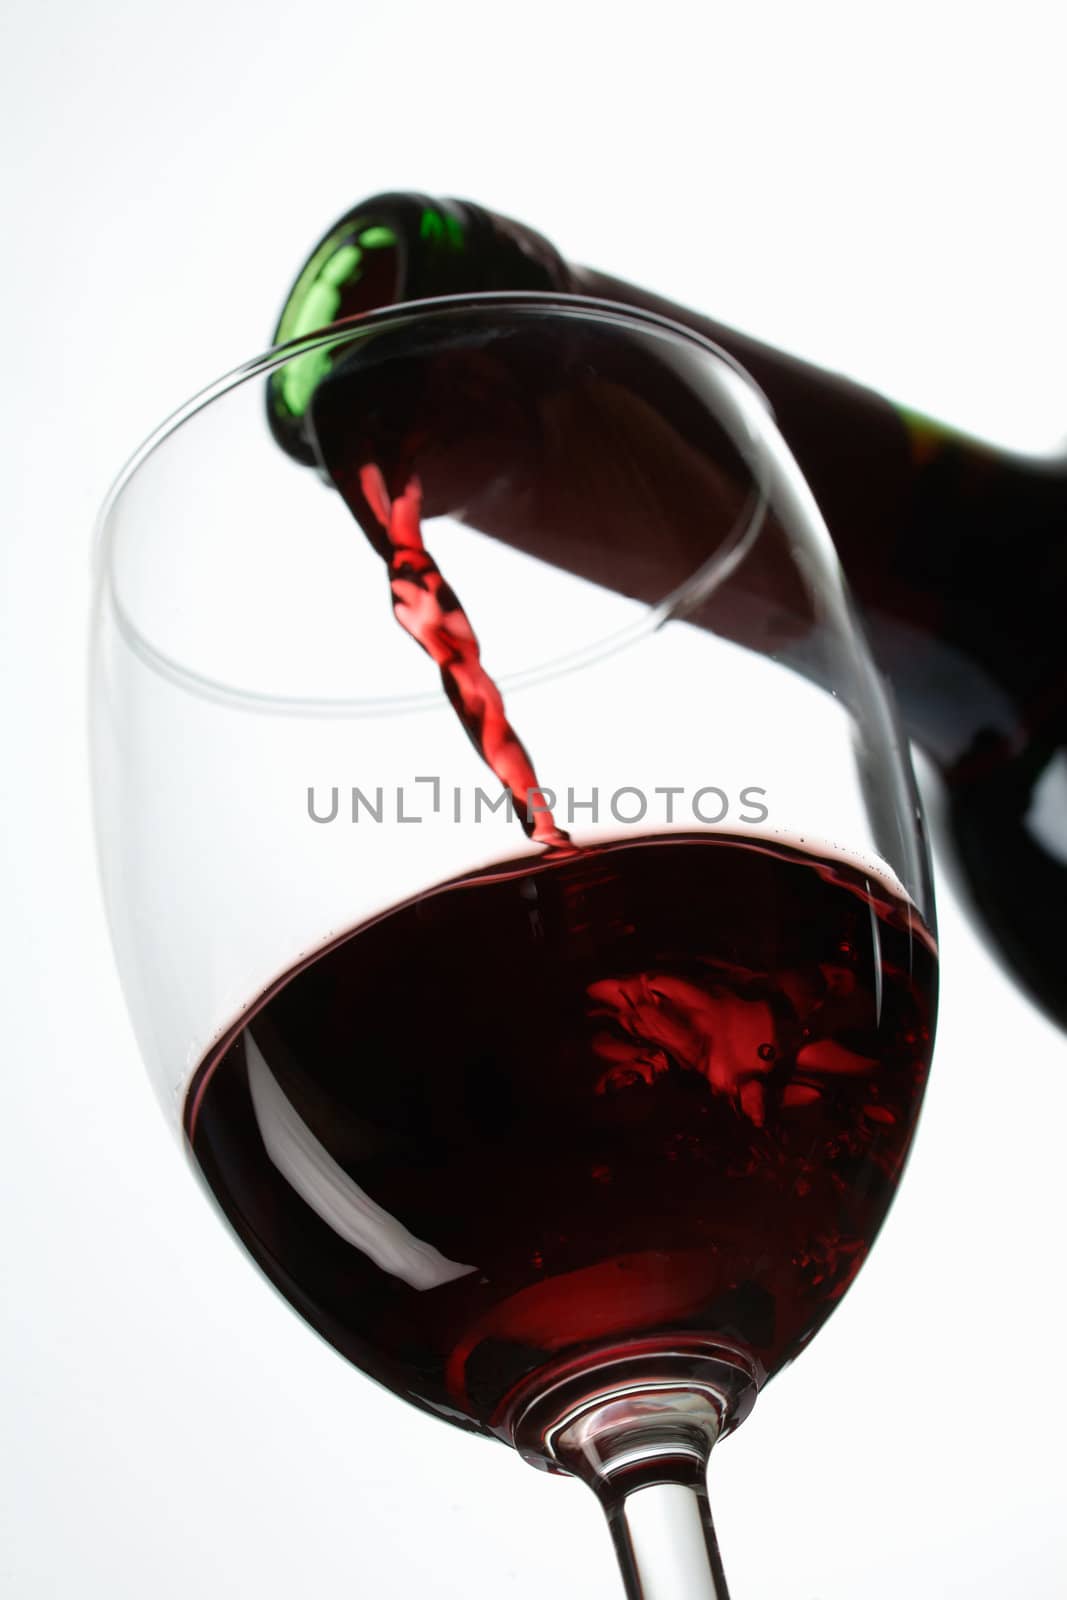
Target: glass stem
x: 666, y: 1543
x: 644, y: 1453
x: 638, y: 1429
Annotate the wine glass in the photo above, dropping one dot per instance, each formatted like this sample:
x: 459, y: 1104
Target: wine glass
x: 516, y: 874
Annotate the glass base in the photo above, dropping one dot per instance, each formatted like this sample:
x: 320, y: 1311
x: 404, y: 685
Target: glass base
x: 623, y: 1418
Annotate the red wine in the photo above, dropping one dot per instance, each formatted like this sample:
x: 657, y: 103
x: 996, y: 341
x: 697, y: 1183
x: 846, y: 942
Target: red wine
x: 957, y: 553
x: 664, y: 1085
x: 427, y: 608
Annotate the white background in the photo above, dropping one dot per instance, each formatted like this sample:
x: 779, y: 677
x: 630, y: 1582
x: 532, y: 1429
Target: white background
x: 877, y: 189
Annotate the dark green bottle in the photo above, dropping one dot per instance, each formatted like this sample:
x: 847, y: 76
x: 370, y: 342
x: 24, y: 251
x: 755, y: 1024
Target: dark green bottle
x: 957, y: 552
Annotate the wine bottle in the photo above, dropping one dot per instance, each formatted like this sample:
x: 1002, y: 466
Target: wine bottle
x: 955, y: 550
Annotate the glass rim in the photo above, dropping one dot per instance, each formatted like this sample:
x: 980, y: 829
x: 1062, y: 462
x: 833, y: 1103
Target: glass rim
x: 351, y: 329
x: 275, y: 356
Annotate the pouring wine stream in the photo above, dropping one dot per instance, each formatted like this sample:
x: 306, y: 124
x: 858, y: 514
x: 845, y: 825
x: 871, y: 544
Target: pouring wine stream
x: 427, y: 608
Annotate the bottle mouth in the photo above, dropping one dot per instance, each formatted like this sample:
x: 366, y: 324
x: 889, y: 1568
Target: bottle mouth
x: 361, y: 265
x: 388, y: 250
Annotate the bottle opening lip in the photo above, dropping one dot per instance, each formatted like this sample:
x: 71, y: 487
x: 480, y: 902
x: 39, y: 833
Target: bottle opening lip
x: 385, y: 229
x: 392, y: 219
x: 371, y: 237
x: 362, y: 264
